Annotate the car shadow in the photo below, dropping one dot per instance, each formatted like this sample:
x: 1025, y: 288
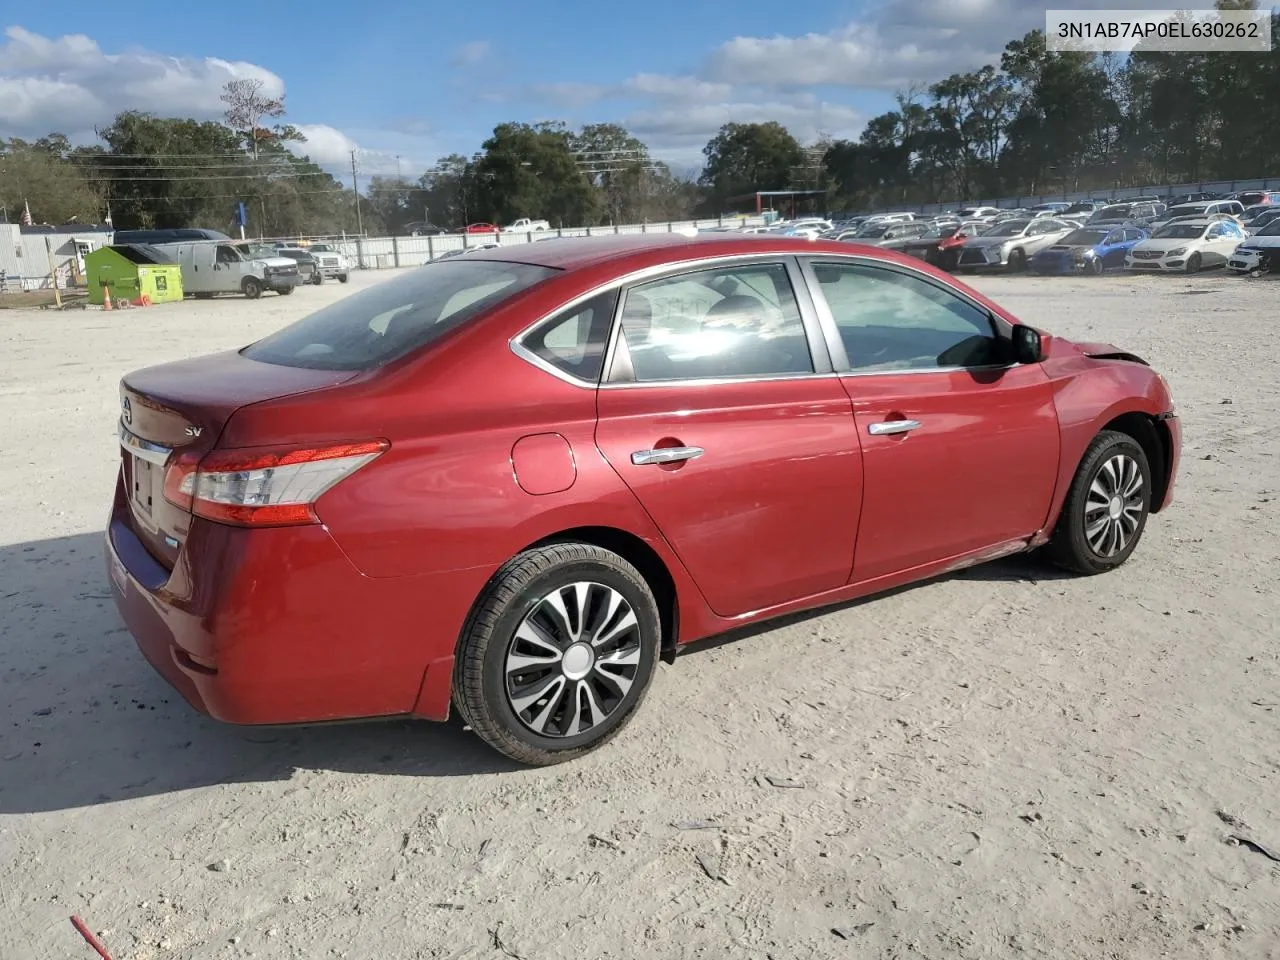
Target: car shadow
x: 1020, y: 568
x: 85, y: 720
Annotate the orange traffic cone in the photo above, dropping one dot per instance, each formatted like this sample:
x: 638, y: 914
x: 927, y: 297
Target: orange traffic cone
x: 106, y: 298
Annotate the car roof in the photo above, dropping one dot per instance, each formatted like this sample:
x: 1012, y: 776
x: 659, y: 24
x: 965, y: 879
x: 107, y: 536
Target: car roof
x: 571, y: 253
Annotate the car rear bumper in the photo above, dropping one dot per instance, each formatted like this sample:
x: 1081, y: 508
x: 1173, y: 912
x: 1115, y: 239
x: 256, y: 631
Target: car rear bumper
x: 277, y: 626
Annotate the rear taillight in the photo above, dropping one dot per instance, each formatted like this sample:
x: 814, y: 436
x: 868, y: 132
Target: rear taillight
x: 257, y: 488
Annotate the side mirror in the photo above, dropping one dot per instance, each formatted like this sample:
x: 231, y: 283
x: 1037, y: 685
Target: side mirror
x: 1026, y: 344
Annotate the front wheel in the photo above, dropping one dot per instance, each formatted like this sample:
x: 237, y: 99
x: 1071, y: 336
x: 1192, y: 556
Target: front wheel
x: 285, y: 291
x: 1017, y: 261
x: 1193, y: 263
x: 343, y: 278
x: 558, y: 653
x: 1096, y: 266
x: 1106, y: 508
x: 252, y: 287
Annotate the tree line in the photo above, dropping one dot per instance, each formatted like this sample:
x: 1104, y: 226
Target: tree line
x: 1041, y: 122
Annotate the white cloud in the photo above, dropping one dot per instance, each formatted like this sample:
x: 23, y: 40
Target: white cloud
x: 677, y: 133
x: 472, y: 53
x: 326, y: 145
x: 69, y: 84
x: 904, y: 42
x: 330, y: 149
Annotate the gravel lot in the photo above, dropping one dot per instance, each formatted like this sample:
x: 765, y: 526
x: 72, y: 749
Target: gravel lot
x: 1002, y: 763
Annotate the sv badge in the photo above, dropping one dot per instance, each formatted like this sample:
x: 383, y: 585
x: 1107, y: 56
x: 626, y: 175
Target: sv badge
x: 194, y: 431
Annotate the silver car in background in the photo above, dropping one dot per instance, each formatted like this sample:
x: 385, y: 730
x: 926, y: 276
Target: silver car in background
x: 1010, y: 244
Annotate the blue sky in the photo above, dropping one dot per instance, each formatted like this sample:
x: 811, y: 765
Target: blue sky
x: 420, y: 80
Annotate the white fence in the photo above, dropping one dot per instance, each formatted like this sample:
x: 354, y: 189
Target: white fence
x: 383, y: 253
x: 1118, y: 193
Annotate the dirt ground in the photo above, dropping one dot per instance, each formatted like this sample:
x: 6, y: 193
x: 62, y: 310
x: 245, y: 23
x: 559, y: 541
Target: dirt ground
x: 1002, y: 763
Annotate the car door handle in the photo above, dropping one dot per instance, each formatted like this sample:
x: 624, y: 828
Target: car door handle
x: 666, y: 455
x: 892, y: 426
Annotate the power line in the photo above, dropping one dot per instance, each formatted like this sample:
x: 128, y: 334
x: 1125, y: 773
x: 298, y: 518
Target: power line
x: 228, y: 176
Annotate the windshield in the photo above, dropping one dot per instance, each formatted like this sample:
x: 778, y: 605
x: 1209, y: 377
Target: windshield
x: 1009, y: 228
x: 872, y: 229
x: 321, y: 248
x: 256, y: 250
x: 1112, y: 213
x: 1178, y: 231
x: 387, y: 321
x: 1187, y: 210
x: 1084, y: 238
x: 1080, y: 208
x: 1272, y: 229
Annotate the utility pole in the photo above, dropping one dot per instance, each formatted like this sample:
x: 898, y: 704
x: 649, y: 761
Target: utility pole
x: 355, y: 188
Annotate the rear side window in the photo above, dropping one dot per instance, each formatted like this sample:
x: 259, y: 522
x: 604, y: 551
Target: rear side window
x: 740, y: 321
x: 574, y: 342
x: 389, y: 320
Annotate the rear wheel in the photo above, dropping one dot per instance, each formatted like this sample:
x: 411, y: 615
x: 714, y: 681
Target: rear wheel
x: 558, y: 653
x: 1106, y: 509
x: 285, y: 291
x: 252, y: 287
x: 342, y: 278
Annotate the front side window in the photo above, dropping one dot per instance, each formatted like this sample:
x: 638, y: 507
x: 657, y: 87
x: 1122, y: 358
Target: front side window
x: 574, y: 342
x: 889, y: 320
x: 389, y: 320
x: 738, y: 321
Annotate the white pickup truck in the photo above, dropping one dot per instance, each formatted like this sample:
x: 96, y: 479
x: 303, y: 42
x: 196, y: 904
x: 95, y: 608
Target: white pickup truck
x: 525, y: 225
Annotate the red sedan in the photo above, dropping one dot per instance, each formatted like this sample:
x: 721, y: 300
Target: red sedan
x: 514, y: 486
x: 482, y: 228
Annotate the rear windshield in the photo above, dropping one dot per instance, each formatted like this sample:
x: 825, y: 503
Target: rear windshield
x: 390, y: 319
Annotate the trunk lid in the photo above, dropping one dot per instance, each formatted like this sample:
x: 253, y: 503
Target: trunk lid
x: 179, y: 410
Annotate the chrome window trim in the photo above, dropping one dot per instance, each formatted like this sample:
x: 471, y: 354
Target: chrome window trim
x: 144, y: 449
x: 636, y: 276
x: 524, y: 353
x: 618, y: 352
x: 803, y: 262
x: 835, y: 343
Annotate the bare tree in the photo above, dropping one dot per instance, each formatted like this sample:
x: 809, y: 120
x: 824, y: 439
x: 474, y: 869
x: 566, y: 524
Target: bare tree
x: 247, y: 106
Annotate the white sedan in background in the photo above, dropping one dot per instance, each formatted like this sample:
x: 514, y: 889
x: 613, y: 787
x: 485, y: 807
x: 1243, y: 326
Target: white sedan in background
x: 1186, y: 246
x: 1248, y: 256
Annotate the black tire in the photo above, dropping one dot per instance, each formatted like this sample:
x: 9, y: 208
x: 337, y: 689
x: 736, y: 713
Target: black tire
x: 343, y: 278
x: 517, y: 591
x: 1017, y: 260
x: 203, y: 296
x: 252, y: 287
x: 1097, y: 267
x: 1070, y: 545
x: 318, y: 278
x: 1193, y: 263
x: 285, y: 291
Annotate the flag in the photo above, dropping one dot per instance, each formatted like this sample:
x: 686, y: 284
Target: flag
x: 26, y: 214
x: 108, y: 220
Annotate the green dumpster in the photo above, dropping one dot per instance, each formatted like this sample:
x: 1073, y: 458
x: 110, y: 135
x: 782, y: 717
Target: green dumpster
x: 130, y: 271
